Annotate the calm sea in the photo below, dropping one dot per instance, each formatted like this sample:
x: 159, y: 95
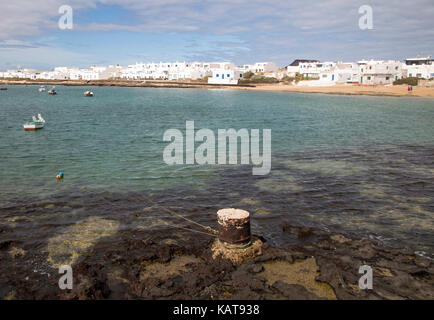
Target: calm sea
x: 340, y: 163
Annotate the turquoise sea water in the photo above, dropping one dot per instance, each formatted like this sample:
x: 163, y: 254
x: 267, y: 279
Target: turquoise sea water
x: 363, y: 164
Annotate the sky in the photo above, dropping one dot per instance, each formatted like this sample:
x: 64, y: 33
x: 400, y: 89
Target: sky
x: 242, y: 31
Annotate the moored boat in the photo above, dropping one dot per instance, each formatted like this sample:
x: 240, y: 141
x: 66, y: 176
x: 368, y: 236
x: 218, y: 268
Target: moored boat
x: 52, y: 91
x: 41, y: 89
x: 88, y: 94
x: 3, y: 88
x: 35, y: 124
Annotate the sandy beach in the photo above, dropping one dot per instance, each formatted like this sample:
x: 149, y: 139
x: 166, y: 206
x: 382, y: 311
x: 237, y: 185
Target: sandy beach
x: 394, y: 91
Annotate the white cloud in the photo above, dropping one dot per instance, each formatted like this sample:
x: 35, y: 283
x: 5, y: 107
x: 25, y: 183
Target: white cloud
x: 27, y: 17
x: 285, y: 27
x: 41, y: 57
x: 33, y: 17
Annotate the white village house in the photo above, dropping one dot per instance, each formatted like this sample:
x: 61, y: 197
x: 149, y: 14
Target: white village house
x: 260, y: 67
x: 314, y: 72
x: 225, y: 73
x: 379, y: 72
x: 370, y: 72
x: 419, y: 67
x: 294, y: 67
x: 166, y: 71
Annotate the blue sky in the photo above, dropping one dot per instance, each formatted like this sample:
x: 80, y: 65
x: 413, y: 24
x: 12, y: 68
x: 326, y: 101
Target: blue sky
x: 242, y: 31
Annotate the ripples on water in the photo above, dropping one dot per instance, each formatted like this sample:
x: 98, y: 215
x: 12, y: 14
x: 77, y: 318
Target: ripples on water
x: 115, y: 179
x: 385, y: 193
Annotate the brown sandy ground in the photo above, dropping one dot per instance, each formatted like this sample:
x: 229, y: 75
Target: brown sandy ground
x: 143, y: 267
x: 380, y: 90
x: 393, y: 91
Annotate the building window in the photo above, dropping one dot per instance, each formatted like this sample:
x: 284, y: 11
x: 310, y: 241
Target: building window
x: 369, y: 78
x: 217, y: 75
x: 241, y: 75
x: 387, y: 78
x: 229, y: 75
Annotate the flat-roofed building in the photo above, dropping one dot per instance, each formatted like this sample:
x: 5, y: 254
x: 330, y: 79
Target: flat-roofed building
x: 422, y: 68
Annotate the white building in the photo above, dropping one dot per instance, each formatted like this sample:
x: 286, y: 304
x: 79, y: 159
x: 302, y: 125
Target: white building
x: 294, y: 67
x: 419, y: 67
x: 89, y: 74
x: 346, y: 73
x: 379, y: 72
x: 225, y: 73
x: 314, y: 70
x: 249, y: 67
x: 20, y: 74
x: 292, y: 70
x: 167, y: 71
x: 260, y: 67
x: 188, y: 71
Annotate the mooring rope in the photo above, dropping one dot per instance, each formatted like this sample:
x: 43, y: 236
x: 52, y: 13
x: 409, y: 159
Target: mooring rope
x: 192, y: 230
x: 210, y: 230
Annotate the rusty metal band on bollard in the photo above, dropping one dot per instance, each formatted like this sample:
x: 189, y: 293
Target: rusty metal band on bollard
x: 234, y: 228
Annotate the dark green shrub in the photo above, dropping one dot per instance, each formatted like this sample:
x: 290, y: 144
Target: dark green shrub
x: 257, y: 79
x: 409, y: 81
x: 248, y: 75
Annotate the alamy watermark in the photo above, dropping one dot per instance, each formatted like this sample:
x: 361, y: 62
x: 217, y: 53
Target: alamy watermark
x: 365, y: 281
x: 66, y: 280
x: 66, y: 21
x: 366, y: 21
x: 227, y: 153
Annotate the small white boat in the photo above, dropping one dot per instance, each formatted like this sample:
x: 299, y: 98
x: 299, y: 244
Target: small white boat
x: 88, y: 94
x: 36, y: 124
x: 52, y: 91
x: 41, y: 89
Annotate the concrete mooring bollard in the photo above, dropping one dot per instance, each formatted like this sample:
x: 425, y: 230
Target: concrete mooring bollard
x: 234, y: 228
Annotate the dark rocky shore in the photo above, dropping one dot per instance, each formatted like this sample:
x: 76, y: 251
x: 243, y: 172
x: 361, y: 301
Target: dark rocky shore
x: 151, y: 267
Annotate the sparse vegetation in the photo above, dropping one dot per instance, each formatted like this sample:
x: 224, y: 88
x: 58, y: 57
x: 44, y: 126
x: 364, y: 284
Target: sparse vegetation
x: 409, y: 81
x: 248, y: 75
x: 257, y: 79
x: 298, y: 77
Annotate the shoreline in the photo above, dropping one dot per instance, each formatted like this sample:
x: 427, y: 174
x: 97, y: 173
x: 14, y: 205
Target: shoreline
x: 353, y: 90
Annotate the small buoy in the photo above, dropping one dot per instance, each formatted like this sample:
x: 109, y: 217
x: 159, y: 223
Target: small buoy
x: 58, y: 177
x: 61, y: 175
